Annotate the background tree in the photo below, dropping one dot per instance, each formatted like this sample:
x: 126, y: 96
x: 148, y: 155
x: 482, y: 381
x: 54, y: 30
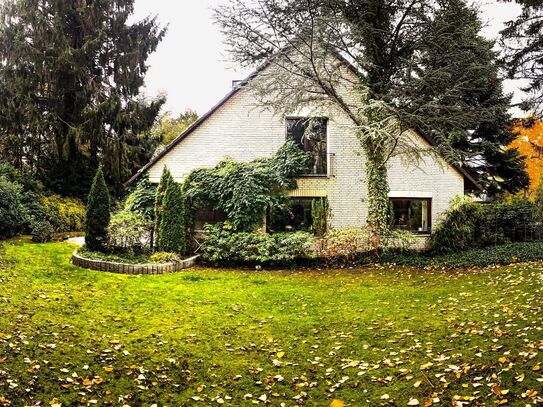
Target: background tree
x: 98, y: 213
x: 529, y: 142
x: 165, y: 179
x: 172, y: 224
x: 522, y: 41
x: 70, y: 82
x: 168, y: 128
x: 418, y: 65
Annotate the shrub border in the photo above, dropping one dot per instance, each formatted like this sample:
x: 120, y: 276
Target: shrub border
x: 125, y: 268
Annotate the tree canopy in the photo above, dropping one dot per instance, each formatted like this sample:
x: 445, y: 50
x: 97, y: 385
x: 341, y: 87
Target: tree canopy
x: 70, y: 82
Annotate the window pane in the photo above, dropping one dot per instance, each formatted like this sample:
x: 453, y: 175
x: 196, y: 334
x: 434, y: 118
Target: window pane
x: 296, y: 216
x: 310, y: 136
x: 411, y: 214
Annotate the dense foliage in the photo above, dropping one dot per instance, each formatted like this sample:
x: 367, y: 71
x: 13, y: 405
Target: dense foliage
x: 63, y: 213
x: 168, y: 128
x: 244, y: 190
x: 142, y: 199
x: 468, y: 224
x: 26, y: 208
x: 70, y: 90
x: 171, y: 237
x: 222, y: 244
x: 98, y: 213
x: 12, y: 211
x: 128, y: 230
x: 518, y: 252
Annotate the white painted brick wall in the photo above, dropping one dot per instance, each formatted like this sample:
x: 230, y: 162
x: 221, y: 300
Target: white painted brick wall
x: 242, y: 131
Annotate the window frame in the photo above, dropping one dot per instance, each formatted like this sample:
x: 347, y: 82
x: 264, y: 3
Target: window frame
x: 326, y: 119
x: 429, y: 213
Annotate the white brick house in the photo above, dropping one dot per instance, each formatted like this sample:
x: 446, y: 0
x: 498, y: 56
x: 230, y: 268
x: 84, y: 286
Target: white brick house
x: 236, y: 127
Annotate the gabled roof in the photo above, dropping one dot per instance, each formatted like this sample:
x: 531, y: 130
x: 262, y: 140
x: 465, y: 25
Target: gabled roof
x: 467, y: 176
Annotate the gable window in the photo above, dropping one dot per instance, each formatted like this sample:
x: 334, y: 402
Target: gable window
x: 412, y: 214
x: 310, y: 135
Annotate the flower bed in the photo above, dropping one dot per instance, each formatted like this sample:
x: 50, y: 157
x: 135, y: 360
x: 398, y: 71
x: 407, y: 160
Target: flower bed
x: 127, y: 268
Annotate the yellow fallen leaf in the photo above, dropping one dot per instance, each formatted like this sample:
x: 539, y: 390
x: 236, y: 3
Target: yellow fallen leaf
x: 337, y: 403
x: 385, y: 397
x: 280, y: 354
x: 503, y: 359
x: 108, y: 369
x: 87, y: 382
x: 536, y: 367
x: 417, y: 383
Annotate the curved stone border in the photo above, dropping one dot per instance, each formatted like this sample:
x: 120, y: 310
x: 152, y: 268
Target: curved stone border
x: 124, y: 268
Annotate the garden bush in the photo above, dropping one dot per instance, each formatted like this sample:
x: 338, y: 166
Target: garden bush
x: 223, y: 244
x: 13, y: 215
x: 468, y: 224
x: 129, y: 231
x: 342, y: 245
x: 42, y: 231
x: 164, y: 257
x: 63, y: 213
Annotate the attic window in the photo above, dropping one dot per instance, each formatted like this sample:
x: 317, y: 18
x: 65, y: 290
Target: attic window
x: 310, y: 135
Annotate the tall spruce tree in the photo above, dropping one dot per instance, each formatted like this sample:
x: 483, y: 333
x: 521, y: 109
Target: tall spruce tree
x: 71, y: 72
x: 165, y: 179
x: 418, y: 65
x: 98, y: 213
x: 172, y: 222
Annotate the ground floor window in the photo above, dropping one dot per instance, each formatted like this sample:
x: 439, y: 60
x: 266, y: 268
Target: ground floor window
x: 294, y: 217
x: 203, y: 216
x: 412, y: 214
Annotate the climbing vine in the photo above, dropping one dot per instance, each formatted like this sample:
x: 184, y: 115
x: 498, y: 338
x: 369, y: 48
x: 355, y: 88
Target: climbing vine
x: 243, y: 190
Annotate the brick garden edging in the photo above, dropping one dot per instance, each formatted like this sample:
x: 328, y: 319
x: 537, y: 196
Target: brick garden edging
x: 124, y: 268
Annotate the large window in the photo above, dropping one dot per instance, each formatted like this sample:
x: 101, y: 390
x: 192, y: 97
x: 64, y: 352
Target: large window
x: 310, y: 135
x: 412, y: 214
x: 295, y: 216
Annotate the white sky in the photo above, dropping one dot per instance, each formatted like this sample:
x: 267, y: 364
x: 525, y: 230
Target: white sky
x: 191, y: 65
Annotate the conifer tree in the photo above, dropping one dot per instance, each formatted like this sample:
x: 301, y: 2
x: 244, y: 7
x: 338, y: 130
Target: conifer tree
x: 71, y: 75
x: 98, y: 213
x: 165, y: 179
x: 172, y: 223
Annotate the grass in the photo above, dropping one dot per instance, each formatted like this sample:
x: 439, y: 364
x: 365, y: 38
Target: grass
x: 375, y: 336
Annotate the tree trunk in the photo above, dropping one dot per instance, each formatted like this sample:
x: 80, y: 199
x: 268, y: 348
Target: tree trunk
x: 378, y: 200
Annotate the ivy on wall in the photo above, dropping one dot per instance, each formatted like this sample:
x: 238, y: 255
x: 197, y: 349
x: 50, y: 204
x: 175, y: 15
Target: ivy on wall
x: 244, y: 190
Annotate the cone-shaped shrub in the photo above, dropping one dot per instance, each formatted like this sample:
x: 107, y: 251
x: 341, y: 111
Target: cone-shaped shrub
x: 97, y: 219
x: 165, y: 179
x: 172, y: 224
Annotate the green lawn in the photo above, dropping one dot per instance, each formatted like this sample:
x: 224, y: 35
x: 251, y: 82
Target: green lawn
x: 375, y: 336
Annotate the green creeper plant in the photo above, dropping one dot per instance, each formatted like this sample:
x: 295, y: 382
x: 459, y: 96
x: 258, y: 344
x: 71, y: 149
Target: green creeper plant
x: 172, y: 223
x: 98, y: 213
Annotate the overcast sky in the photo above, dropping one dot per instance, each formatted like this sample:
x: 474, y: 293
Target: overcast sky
x: 191, y: 65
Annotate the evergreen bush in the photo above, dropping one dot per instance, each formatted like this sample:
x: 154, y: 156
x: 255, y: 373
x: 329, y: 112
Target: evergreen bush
x: 12, y: 211
x: 98, y: 215
x: 172, y: 220
x: 165, y: 179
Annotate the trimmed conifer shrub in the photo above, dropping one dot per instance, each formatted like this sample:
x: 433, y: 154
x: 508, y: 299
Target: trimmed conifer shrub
x: 97, y: 216
x: 172, y: 224
x: 165, y: 179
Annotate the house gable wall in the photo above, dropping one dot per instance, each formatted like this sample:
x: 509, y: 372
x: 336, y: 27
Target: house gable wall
x: 242, y: 131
